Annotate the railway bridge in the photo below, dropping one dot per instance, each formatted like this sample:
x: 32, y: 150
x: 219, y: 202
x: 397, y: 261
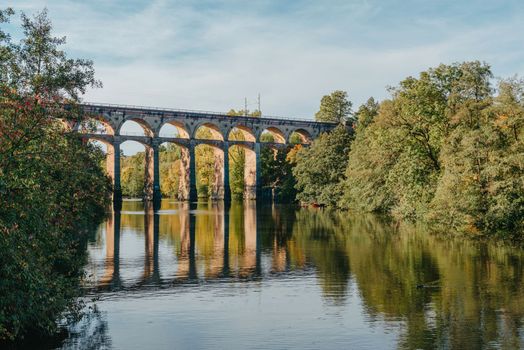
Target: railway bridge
x: 104, y: 123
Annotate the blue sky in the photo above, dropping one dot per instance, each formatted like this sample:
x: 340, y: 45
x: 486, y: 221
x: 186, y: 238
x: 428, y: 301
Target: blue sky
x: 209, y: 55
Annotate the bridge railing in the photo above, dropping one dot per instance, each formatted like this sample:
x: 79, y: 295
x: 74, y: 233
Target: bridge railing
x: 161, y: 109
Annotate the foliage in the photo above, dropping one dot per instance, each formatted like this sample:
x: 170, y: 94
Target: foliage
x: 170, y: 163
x: 37, y: 65
x: 277, y: 172
x: 334, y: 108
x: 133, y: 170
x: 51, y: 183
x: 443, y: 149
x: 132, y: 175
x: 320, y: 168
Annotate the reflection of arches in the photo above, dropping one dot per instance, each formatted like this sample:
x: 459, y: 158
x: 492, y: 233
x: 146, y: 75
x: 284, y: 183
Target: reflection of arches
x: 95, y: 125
x: 181, y: 130
x: 302, y: 134
x: 278, y: 136
x: 247, y: 133
x: 147, y: 130
x: 207, y: 131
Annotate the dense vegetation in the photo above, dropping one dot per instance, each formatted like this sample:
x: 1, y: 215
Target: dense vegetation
x: 51, y: 184
x: 446, y: 149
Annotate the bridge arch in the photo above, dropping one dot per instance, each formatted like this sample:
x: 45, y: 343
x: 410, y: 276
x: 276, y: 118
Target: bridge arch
x: 181, y: 129
x: 147, y: 129
x: 95, y: 125
x: 207, y: 131
x: 146, y: 165
x: 302, y: 134
x: 277, y: 135
x: 210, y: 172
x: 246, y: 132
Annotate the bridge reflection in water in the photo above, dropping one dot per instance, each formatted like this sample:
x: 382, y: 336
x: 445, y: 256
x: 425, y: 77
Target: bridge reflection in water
x: 283, y: 277
x: 209, y: 244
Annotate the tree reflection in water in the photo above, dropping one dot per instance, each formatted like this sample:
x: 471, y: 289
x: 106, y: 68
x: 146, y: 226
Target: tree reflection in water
x: 471, y: 297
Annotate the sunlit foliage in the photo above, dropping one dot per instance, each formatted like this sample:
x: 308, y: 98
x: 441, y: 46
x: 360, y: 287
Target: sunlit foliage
x: 447, y: 148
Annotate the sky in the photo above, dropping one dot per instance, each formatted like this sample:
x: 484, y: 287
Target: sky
x: 210, y: 55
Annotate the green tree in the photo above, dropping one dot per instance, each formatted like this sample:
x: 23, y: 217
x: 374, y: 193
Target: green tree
x: 319, y: 169
x: 39, y: 66
x: 277, y: 172
x: 366, y: 113
x: 444, y: 149
x: 51, y: 184
x: 335, y: 108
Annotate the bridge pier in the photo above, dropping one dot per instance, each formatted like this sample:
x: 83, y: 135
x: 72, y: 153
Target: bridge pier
x: 183, y: 181
x: 157, y: 194
x: 193, y: 195
x: 117, y: 189
x: 227, y: 188
x: 252, y: 172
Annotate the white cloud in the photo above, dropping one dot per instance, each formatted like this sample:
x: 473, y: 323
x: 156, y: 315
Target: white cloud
x: 161, y: 53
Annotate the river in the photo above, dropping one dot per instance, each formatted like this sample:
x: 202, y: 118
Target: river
x: 255, y: 276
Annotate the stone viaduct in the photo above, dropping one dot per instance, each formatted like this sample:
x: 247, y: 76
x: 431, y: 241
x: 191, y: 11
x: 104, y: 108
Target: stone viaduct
x: 103, y: 122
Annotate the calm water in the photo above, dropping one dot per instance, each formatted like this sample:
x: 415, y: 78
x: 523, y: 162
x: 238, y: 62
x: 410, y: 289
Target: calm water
x: 277, y: 277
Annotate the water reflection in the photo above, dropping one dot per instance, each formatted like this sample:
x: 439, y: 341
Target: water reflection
x: 352, y: 281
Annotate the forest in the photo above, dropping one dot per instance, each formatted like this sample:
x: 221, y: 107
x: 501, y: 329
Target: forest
x: 445, y: 150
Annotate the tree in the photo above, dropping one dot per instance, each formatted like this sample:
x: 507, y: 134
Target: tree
x: 443, y: 150
x: 38, y: 65
x: 481, y: 189
x: 366, y: 113
x: 51, y: 184
x: 320, y: 168
x: 277, y: 172
x: 334, y: 108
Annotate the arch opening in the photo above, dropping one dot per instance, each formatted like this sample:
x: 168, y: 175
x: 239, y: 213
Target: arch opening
x: 95, y: 126
x: 242, y: 172
x: 299, y: 136
x: 173, y: 171
x: 209, y: 165
x: 208, y: 131
x: 272, y: 134
x: 241, y: 133
x: 173, y: 129
x: 108, y: 150
x: 136, y: 170
x: 135, y: 127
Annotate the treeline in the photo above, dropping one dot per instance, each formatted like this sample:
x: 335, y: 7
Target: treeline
x: 51, y: 185
x: 446, y: 149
